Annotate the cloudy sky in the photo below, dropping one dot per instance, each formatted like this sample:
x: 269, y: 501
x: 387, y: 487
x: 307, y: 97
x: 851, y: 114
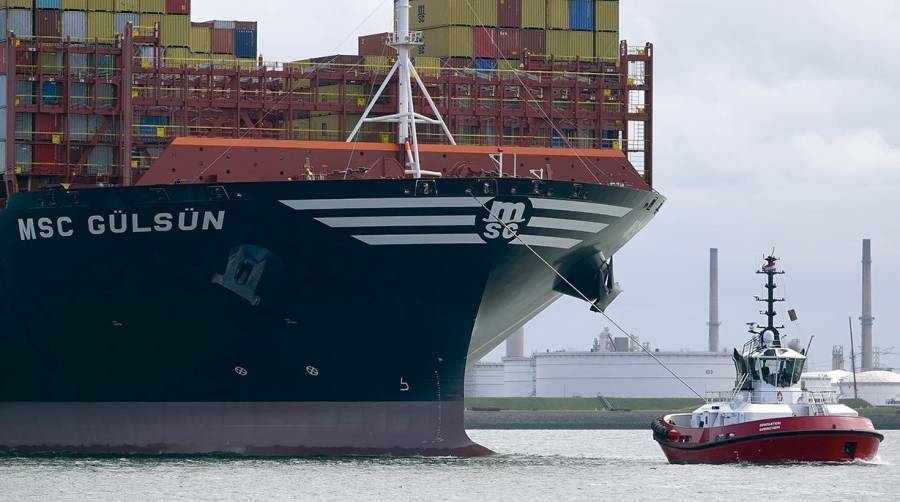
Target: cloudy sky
x: 777, y: 124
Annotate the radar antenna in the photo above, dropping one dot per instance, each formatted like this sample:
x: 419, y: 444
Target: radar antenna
x: 406, y: 117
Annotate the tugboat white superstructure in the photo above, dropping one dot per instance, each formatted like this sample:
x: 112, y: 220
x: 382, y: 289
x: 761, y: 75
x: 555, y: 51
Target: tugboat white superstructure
x: 768, y: 417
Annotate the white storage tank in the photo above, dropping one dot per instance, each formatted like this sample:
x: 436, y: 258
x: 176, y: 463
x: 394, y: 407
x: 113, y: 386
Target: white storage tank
x: 879, y: 388
x: 485, y: 380
x: 518, y: 377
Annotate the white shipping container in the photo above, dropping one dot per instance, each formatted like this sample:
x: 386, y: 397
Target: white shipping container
x: 123, y: 18
x: 24, y: 126
x: 101, y: 161
x: 23, y: 157
x: 79, y: 94
x: 20, y: 22
x: 2, y: 91
x: 25, y: 94
x: 74, y: 24
x: 2, y: 125
x: 78, y: 127
x: 2, y: 157
x: 79, y: 64
x: 223, y: 25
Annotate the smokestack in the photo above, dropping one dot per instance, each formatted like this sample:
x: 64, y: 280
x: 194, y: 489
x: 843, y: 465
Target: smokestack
x: 714, y: 300
x: 867, y: 320
x: 515, y: 344
x: 837, y: 357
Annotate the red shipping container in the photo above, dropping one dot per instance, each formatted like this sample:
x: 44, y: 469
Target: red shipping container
x: 47, y: 23
x: 375, y: 45
x: 245, y: 25
x: 47, y: 159
x: 485, y: 43
x: 222, y: 41
x: 46, y: 125
x: 534, y: 42
x: 509, y: 40
x: 509, y: 13
x: 178, y: 6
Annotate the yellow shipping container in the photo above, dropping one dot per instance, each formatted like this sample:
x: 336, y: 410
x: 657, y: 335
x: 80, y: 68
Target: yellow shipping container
x: 447, y: 41
x: 607, y: 15
x: 17, y: 4
x: 128, y: 5
x: 201, y: 38
x: 534, y: 14
x: 377, y: 64
x: 607, y: 44
x: 558, y: 15
x: 428, y: 66
x: 178, y: 56
x: 147, y: 23
x: 73, y: 4
x: 433, y: 13
x: 102, y: 5
x: 176, y: 30
x: 153, y: 6
x: 570, y: 44
x: 101, y: 25
x: 486, y: 12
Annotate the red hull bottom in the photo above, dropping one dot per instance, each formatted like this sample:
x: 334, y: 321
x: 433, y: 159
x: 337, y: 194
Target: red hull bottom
x: 805, y: 446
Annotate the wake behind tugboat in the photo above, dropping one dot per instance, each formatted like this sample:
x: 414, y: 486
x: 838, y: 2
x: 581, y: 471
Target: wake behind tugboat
x: 769, y: 418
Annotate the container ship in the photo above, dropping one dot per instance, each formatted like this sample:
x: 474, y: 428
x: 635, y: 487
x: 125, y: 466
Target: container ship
x: 193, y: 261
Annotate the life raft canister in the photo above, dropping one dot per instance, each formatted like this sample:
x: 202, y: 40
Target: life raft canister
x: 780, y: 396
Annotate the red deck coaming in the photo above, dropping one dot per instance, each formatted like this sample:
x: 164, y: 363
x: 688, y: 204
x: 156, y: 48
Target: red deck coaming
x: 236, y: 160
x: 819, y: 439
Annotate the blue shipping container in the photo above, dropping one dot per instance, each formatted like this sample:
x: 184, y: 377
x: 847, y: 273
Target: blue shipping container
x: 52, y: 92
x: 48, y: 4
x: 148, y: 128
x: 485, y: 64
x: 581, y: 15
x: 245, y: 43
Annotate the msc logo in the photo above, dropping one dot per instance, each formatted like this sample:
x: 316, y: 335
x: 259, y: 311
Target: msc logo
x: 421, y: 13
x: 503, y: 220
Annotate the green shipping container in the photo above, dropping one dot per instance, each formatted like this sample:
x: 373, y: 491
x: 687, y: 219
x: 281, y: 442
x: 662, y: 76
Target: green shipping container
x: 607, y: 15
x: 426, y: 14
x: 447, y: 41
x: 570, y: 44
x: 75, y: 4
x: 607, y: 45
x: 534, y: 14
x: 153, y: 6
x: 101, y: 25
x: 558, y: 14
x: 176, y: 30
x: 128, y: 5
x: 102, y: 5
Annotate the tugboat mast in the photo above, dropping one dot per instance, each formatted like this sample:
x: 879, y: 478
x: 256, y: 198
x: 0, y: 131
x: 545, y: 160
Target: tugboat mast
x: 770, y: 269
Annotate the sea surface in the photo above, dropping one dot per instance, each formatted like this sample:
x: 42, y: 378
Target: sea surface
x: 530, y: 465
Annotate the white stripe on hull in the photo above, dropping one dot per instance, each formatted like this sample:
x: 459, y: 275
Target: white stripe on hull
x: 399, y: 221
x: 383, y: 203
x: 580, y: 207
x: 562, y: 224
x: 546, y: 241
x: 419, y: 239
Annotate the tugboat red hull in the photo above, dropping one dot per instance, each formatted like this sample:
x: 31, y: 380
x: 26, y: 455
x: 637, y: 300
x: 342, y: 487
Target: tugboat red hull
x: 797, y: 439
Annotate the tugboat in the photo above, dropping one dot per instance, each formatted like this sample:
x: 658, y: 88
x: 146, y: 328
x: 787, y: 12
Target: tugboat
x: 769, y: 417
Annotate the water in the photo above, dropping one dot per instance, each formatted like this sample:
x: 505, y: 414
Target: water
x: 532, y: 465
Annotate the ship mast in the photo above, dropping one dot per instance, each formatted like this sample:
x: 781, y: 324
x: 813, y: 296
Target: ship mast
x: 404, y: 40
x: 770, y: 269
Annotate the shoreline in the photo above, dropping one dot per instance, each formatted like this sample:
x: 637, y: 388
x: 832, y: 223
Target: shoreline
x: 602, y: 420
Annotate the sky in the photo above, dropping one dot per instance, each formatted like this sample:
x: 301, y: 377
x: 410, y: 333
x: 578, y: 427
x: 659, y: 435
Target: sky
x: 777, y: 124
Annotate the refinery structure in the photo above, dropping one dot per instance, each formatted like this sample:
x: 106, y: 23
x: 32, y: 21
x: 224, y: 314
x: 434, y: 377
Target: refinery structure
x: 96, y: 89
x: 617, y: 367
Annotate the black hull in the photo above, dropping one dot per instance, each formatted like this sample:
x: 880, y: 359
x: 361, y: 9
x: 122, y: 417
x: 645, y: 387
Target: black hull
x: 271, y: 296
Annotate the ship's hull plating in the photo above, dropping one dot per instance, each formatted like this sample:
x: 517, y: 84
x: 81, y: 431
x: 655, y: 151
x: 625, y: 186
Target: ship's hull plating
x: 276, y: 318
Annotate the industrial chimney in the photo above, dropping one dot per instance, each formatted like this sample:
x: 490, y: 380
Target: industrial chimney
x: 837, y: 357
x: 515, y: 344
x: 867, y: 320
x: 714, y: 300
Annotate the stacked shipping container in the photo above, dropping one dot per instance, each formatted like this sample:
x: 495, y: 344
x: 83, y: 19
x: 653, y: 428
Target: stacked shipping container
x: 511, y: 29
x: 68, y: 109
